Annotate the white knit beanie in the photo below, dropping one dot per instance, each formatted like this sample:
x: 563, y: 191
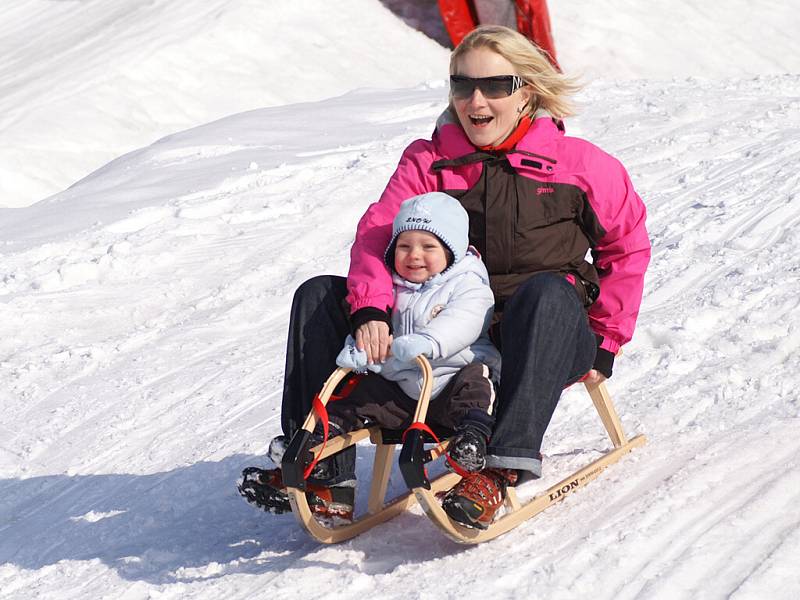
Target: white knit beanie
x: 437, y: 213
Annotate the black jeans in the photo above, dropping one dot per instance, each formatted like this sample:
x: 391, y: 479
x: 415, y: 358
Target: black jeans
x: 546, y: 345
x: 318, y: 326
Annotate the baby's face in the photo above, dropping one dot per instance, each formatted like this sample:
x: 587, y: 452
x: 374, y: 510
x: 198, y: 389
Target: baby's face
x: 418, y: 256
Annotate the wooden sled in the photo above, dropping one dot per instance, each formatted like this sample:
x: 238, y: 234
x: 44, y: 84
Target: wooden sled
x: 298, y: 456
x: 412, y: 466
x: 516, y: 512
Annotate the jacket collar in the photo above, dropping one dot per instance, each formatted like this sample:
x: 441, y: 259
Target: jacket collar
x: 535, y: 150
x: 451, y: 141
x: 449, y: 138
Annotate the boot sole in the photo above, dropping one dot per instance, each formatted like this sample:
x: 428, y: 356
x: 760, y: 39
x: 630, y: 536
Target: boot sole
x: 265, y: 498
x: 461, y: 511
x: 273, y: 500
x: 262, y: 495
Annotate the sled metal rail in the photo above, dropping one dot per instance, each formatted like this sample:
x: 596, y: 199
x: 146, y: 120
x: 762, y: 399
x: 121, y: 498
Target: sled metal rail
x: 412, y: 458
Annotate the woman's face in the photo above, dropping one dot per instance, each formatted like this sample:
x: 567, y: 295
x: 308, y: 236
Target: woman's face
x: 488, y: 121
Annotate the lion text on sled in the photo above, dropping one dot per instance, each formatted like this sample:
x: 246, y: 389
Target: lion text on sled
x: 413, y: 457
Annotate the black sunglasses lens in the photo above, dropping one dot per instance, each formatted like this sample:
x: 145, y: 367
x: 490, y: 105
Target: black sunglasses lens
x: 491, y: 87
x: 496, y: 88
x: 462, y: 87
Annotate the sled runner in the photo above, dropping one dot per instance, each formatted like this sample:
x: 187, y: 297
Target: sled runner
x: 300, y: 459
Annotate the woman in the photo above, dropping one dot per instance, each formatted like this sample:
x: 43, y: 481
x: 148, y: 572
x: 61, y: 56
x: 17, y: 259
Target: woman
x: 539, y: 203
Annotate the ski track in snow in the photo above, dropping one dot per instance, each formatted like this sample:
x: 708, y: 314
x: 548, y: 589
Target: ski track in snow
x: 141, y: 355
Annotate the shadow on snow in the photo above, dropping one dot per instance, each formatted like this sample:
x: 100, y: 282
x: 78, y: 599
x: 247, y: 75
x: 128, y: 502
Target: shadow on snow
x: 184, y: 525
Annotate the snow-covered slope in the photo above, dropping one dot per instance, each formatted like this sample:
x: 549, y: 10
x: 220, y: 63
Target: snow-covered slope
x: 83, y: 82
x: 144, y: 316
x: 628, y: 39
x: 144, y: 312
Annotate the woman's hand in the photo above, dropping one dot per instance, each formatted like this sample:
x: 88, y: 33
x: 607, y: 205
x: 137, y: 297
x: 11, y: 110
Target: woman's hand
x: 373, y: 337
x: 594, y: 377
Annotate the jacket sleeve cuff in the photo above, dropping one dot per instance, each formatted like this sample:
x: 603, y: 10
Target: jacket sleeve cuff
x: 604, y: 362
x: 370, y: 313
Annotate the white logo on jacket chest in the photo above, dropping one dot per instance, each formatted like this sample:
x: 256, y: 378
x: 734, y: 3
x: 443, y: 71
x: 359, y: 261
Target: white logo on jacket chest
x: 436, y: 310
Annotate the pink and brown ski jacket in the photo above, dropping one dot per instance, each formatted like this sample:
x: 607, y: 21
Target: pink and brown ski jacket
x: 546, y: 205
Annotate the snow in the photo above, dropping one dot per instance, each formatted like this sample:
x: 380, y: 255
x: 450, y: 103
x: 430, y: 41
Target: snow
x: 668, y: 38
x: 83, y: 81
x: 145, y: 307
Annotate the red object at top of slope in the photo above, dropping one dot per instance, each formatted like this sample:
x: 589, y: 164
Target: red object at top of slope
x: 533, y: 21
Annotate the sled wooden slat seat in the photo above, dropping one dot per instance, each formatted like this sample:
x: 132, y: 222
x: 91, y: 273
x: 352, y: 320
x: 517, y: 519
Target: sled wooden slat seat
x: 423, y: 491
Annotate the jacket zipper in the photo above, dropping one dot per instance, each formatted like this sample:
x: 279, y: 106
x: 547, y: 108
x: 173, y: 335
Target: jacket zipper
x: 408, y: 316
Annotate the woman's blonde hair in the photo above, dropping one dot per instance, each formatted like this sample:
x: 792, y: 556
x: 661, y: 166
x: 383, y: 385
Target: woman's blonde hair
x: 551, y: 89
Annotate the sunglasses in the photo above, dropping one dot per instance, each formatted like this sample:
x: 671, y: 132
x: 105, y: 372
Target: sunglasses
x: 492, y: 88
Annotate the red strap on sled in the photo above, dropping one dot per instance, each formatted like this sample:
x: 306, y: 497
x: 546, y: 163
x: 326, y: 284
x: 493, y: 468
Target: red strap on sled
x: 423, y: 427
x: 322, y: 416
